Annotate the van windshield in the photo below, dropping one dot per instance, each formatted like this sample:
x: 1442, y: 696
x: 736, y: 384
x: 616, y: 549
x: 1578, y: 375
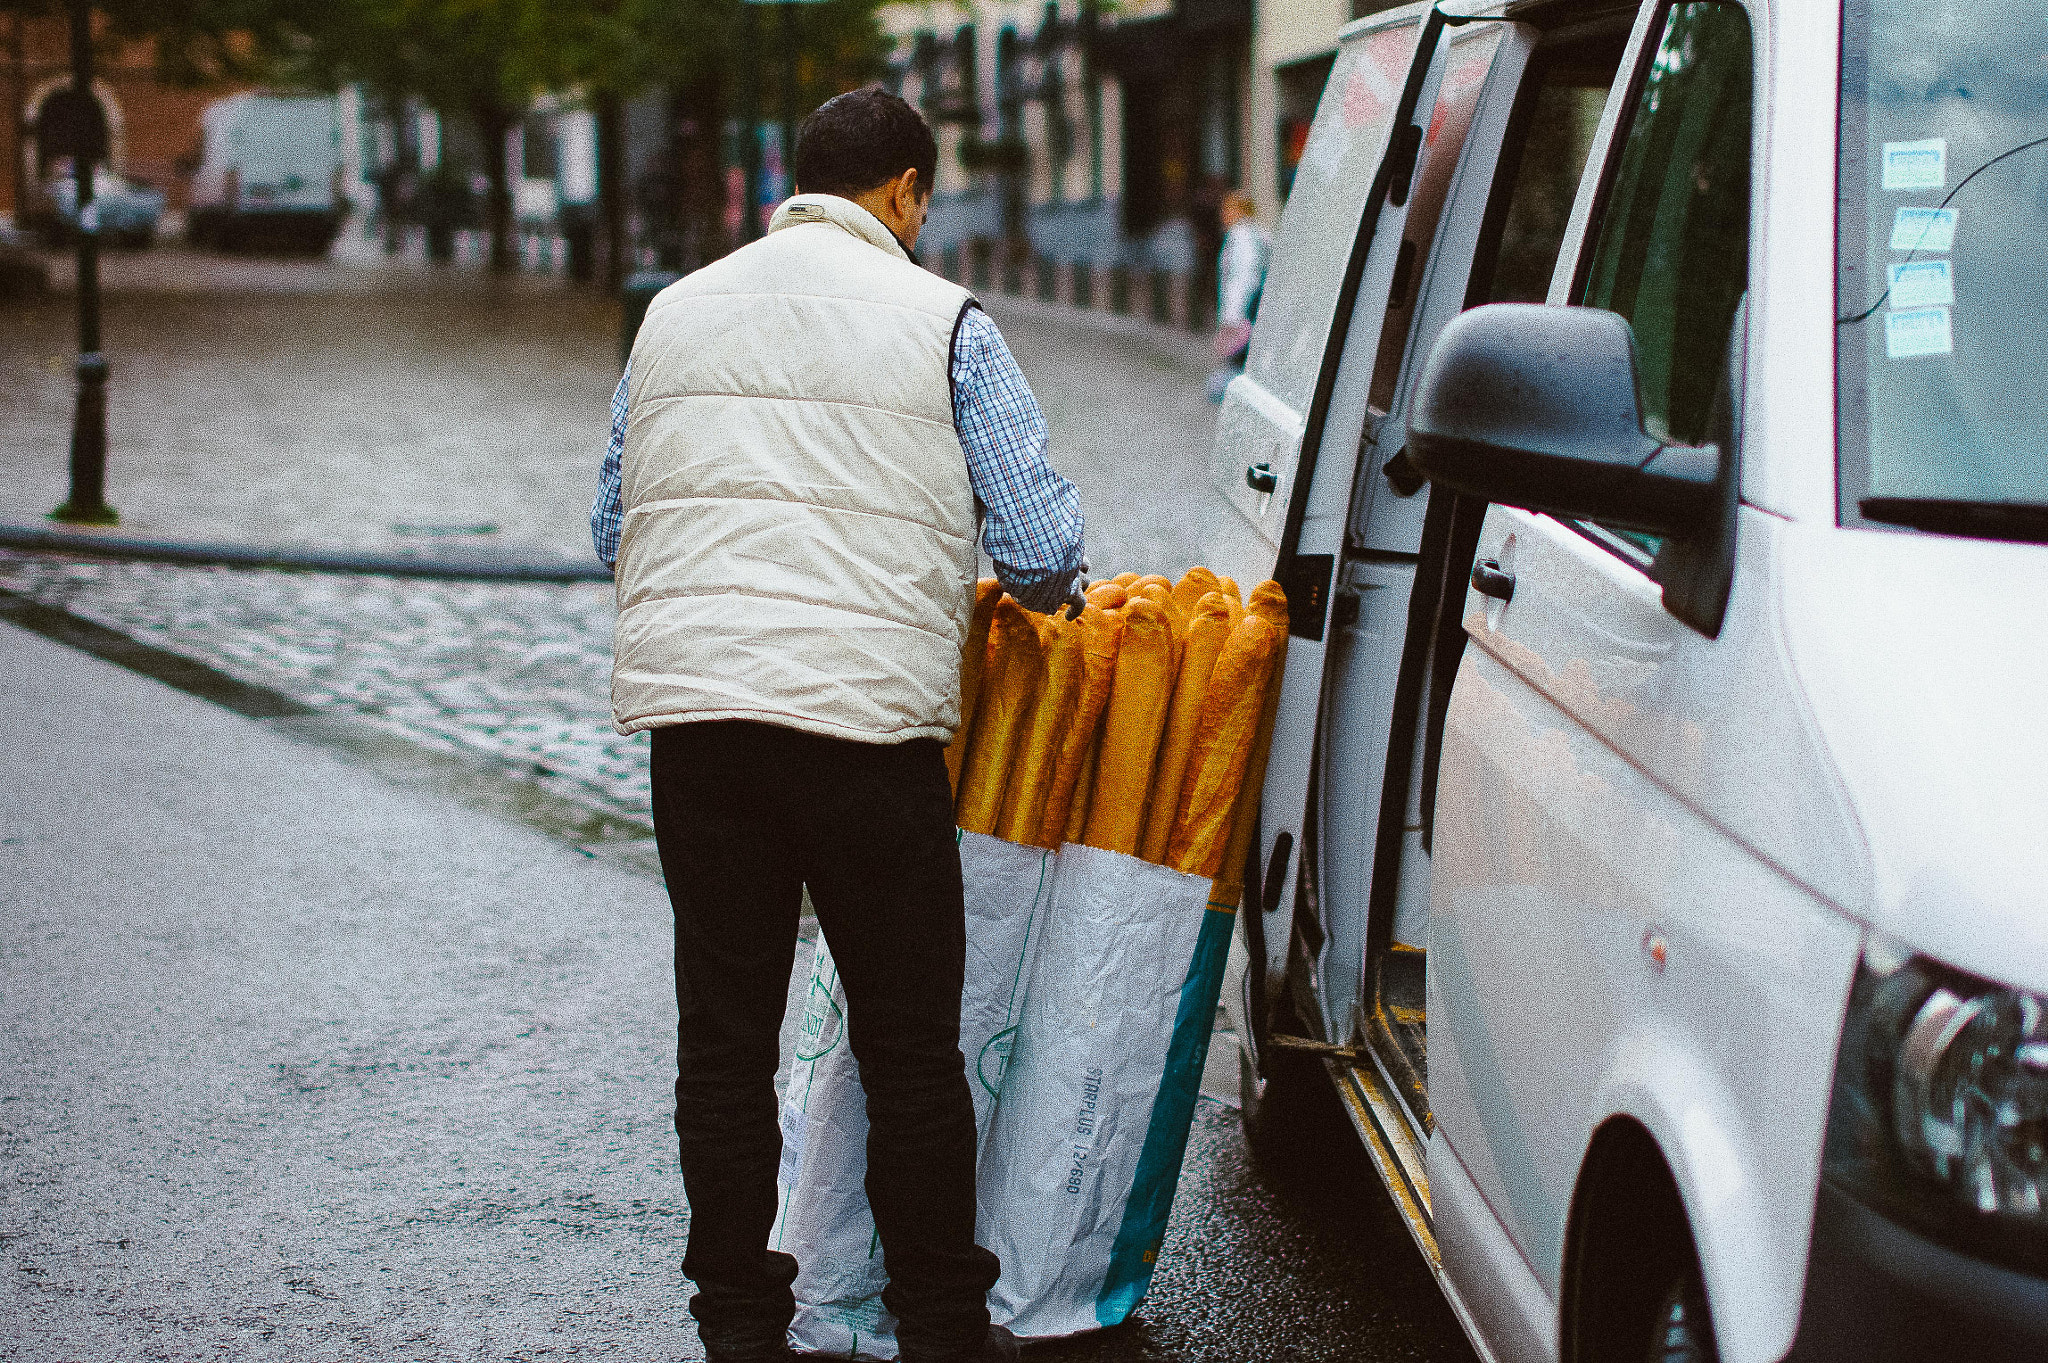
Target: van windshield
x: 1942, y: 289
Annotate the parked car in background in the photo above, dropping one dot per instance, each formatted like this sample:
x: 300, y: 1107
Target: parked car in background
x: 269, y: 175
x: 1642, y: 414
x: 127, y: 212
x: 22, y: 272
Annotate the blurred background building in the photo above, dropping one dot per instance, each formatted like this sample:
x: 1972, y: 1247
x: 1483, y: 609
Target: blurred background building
x: 1085, y: 147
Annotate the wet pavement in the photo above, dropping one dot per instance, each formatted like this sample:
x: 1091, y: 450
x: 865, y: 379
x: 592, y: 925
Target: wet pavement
x: 311, y: 1048
x: 362, y: 405
x: 298, y: 1064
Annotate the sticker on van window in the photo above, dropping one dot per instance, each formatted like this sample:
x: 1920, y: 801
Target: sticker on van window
x: 1921, y: 284
x: 1917, y: 331
x: 1923, y: 229
x: 1916, y: 165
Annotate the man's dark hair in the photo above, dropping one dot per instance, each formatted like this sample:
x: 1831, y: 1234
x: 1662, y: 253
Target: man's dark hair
x: 855, y: 141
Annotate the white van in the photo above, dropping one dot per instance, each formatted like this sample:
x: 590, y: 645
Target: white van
x: 269, y: 174
x: 1655, y: 845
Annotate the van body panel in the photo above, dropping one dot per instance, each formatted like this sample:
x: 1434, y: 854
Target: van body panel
x: 1494, y: 1284
x: 1926, y: 690
x: 1724, y: 724
x: 1253, y: 427
x: 268, y: 154
x: 1789, y: 467
x: 1265, y: 410
x: 1746, y: 1184
x: 1562, y: 870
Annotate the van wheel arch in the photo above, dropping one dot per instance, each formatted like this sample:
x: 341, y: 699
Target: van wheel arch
x: 1632, y: 1289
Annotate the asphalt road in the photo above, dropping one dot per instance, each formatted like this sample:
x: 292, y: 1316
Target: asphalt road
x: 296, y: 1063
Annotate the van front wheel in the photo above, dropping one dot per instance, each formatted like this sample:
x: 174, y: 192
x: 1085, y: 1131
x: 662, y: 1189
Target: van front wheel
x: 1682, y: 1332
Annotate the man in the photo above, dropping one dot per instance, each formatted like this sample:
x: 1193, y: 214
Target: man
x: 800, y: 446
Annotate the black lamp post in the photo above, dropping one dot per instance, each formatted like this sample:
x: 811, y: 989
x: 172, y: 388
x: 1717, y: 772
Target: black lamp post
x: 82, y: 133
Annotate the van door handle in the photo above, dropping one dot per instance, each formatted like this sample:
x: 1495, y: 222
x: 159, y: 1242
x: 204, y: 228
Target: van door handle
x: 1488, y: 578
x: 1260, y: 478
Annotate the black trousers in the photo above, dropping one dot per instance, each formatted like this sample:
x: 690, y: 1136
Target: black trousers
x: 746, y: 815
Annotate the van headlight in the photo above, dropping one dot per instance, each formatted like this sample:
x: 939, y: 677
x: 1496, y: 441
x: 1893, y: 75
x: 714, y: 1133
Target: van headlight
x: 1940, y: 1113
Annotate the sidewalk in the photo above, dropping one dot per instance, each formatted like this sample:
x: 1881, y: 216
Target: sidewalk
x: 302, y: 1065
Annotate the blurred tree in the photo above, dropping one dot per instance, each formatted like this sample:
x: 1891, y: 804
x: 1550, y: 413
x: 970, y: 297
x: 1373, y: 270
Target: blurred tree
x: 482, y: 62
x: 477, y: 61
x: 697, y: 52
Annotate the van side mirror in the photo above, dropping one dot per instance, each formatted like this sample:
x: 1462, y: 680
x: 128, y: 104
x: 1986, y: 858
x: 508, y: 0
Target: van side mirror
x: 1538, y: 407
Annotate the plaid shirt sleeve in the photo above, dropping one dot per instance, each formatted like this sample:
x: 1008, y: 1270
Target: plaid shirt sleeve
x: 605, y: 511
x: 1032, y: 526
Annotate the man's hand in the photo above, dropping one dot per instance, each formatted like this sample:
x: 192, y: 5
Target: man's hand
x: 1077, y: 595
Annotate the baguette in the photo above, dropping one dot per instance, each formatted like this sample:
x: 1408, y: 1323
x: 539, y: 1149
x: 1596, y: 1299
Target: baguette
x: 1177, y: 624
x: 973, y: 655
x: 1228, y: 586
x: 1032, y: 771
x: 1084, y: 790
x: 1107, y: 595
x: 1196, y: 583
x: 1008, y: 692
x: 1206, y: 637
x: 1271, y: 602
x: 1067, y: 795
x: 1222, y: 750
x: 1138, y: 701
x: 1125, y: 580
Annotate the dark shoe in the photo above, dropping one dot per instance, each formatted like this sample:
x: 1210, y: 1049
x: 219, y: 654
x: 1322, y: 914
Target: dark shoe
x: 999, y: 1347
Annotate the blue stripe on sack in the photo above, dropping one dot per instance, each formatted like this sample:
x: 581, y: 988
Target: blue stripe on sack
x: 1136, y: 1252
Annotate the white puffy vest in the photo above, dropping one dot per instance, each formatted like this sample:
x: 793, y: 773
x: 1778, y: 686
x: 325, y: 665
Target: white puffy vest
x: 798, y: 546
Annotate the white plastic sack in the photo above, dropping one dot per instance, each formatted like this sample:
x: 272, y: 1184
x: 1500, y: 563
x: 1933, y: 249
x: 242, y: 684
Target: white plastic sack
x: 1078, y: 1171
x: 823, y: 1218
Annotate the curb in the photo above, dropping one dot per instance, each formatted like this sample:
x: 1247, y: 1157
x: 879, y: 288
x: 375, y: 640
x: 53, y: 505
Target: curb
x: 478, y: 568
x: 476, y: 782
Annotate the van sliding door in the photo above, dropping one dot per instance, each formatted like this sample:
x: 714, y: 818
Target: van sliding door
x: 1308, y: 507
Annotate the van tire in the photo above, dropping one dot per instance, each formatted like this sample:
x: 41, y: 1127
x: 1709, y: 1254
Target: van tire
x: 1633, y: 1291
x: 1683, y: 1333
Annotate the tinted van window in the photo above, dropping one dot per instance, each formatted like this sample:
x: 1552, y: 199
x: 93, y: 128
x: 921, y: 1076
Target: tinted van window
x: 1321, y: 218
x: 1672, y: 254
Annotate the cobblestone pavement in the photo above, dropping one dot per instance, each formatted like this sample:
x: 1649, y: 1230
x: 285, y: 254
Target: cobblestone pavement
x: 516, y: 674
x: 382, y: 405
x: 373, y: 408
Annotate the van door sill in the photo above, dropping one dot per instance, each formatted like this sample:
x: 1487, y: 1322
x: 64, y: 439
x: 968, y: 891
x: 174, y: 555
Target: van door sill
x: 1391, y: 1144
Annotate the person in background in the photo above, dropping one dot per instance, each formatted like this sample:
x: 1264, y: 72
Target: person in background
x: 1240, y: 279
x: 810, y: 437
